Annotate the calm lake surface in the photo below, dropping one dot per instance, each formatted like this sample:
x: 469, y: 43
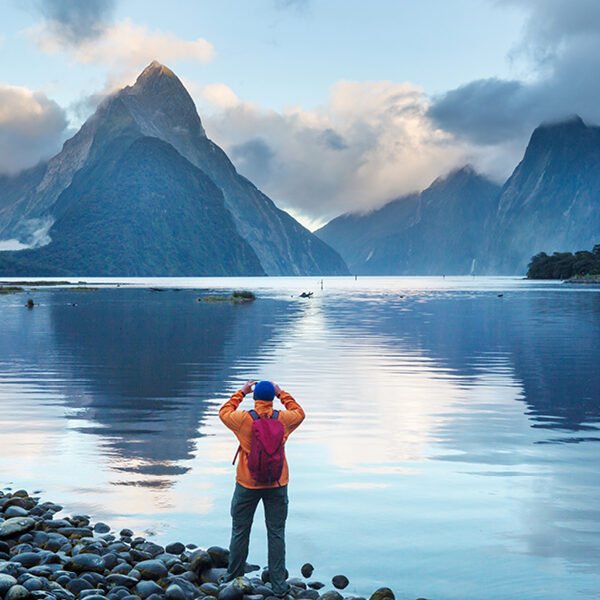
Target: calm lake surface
x: 450, y: 448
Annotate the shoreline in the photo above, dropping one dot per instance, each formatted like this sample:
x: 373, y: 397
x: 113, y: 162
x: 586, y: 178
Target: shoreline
x: 72, y: 558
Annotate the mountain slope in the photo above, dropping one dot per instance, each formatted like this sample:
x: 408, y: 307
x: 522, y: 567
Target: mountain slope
x: 551, y: 202
x: 439, y: 231
x: 159, y: 106
x: 139, y: 209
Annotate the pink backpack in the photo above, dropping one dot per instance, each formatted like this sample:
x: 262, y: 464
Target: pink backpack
x: 267, y: 455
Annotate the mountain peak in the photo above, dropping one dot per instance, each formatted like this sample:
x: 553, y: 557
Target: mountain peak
x: 154, y: 70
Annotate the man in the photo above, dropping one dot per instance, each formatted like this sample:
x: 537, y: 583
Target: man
x: 248, y: 491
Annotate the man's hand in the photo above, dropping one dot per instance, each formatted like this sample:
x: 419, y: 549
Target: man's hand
x: 277, y: 389
x: 247, y: 387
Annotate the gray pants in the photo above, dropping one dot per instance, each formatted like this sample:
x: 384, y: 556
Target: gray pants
x: 243, y: 506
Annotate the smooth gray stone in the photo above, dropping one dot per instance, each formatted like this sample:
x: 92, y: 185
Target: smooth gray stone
x: 309, y: 594
x: 77, y: 585
x: 219, y: 556
x: 33, y: 584
x: 152, y: 569
x: 145, y: 588
x: 212, y: 575
x: 27, y: 559
x: 200, y: 561
x: 100, y: 527
x: 15, y: 511
x: 119, y: 579
x: 17, y: 592
x: 174, y: 592
x: 230, y: 592
x: 16, y: 526
x: 297, y: 582
x: 85, y: 562
x: 6, y: 582
x: 316, y: 585
x: 210, y: 589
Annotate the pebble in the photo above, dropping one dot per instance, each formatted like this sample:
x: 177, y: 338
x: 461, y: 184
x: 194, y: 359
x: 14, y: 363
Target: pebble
x: 175, y: 548
x: 340, y: 582
x: 43, y: 558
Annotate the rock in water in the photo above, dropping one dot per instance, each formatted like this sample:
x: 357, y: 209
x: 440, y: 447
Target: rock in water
x: 340, y: 582
x: 175, y: 548
x: 174, y: 592
x: 16, y: 526
x: 307, y: 570
x: 101, y: 527
x: 382, y: 593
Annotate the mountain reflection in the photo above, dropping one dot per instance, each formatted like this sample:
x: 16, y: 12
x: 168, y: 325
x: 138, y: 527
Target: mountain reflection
x: 552, y: 341
x: 146, y: 366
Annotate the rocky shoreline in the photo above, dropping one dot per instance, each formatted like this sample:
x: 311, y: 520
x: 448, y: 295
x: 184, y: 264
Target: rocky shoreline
x: 69, y: 558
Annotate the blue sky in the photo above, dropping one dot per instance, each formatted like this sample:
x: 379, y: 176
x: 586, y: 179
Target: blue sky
x: 327, y: 105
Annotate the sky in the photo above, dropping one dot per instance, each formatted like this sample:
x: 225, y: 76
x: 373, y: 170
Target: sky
x: 328, y: 106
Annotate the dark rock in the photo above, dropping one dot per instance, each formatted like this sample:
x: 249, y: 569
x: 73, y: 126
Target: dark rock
x: 340, y: 582
x: 139, y: 556
x: 243, y: 584
x: 100, y: 527
x: 210, y: 589
x: 77, y: 585
x: 15, y: 511
x: 297, y: 582
x: 145, y: 588
x: 88, y: 593
x: 135, y: 573
x: 230, y: 592
x: 85, y: 562
x: 253, y: 597
x: 177, y: 569
x: 331, y: 595
x: 111, y: 560
x: 118, y: 579
x: 4, y: 547
x: 249, y: 568
x: 174, y: 592
x: 27, y: 559
x: 150, y: 548
x: 212, y: 575
x: 126, y: 533
x: 95, y: 596
x: 263, y: 590
x: 383, y: 593
x: 219, y: 556
x: 16, y: 526
x: 316, y: 585
x: 17, y: 592
x: 200, y: 561
x: 307, y: 570
x: 38, y: 538
x: 10, y: 568
x: 156, y: 596
x: 152, y: 569
x: 45, y: 570
x: 175, y: 548
x: 6, y: 582
x: 309, y: 594
x: 33, y: 584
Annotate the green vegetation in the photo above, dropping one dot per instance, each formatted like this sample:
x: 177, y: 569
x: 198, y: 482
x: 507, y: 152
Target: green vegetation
x: 242, y: 297
x: 10, y: 290
x: 564, y: 265
x: 238, y: 297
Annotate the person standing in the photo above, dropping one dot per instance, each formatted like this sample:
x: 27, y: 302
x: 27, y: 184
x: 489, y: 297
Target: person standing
x: 262, y: 474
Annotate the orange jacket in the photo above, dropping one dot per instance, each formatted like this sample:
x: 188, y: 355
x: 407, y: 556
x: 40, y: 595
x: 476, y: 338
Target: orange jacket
x: 240, y: 422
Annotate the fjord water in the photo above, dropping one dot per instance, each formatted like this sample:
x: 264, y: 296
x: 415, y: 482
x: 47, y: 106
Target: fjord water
x: 450, y: 448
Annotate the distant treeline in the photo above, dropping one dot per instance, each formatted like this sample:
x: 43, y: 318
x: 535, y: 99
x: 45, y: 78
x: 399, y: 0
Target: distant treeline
x: 562, y: 265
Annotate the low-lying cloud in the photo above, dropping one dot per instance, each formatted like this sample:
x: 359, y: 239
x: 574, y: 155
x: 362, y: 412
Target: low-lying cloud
x: 370, y: 143
x: 32, y: 128
x: 561, y: 48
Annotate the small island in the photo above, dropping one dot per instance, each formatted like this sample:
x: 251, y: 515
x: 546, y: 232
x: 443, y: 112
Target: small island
x: 582, y: 266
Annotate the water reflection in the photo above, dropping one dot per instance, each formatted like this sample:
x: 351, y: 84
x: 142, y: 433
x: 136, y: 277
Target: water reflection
x: 449, y: 432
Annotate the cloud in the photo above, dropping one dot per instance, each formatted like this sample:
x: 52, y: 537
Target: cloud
x: 76, y: 21
x: 32, y: 128
x: 560, y: 48
x: 124, y: 47
x: 370, y: 143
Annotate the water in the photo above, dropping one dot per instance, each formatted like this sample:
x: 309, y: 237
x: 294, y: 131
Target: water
x: 450, y: 448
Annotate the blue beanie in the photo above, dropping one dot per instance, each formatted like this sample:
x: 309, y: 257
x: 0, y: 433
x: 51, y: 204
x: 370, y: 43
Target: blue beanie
x: 264, y: 390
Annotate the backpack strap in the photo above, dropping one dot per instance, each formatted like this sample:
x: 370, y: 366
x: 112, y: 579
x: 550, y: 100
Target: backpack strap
x: 275, y: 414
x: 254, y: 415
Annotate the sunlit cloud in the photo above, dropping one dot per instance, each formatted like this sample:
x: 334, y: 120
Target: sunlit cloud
x: 370, y: 143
